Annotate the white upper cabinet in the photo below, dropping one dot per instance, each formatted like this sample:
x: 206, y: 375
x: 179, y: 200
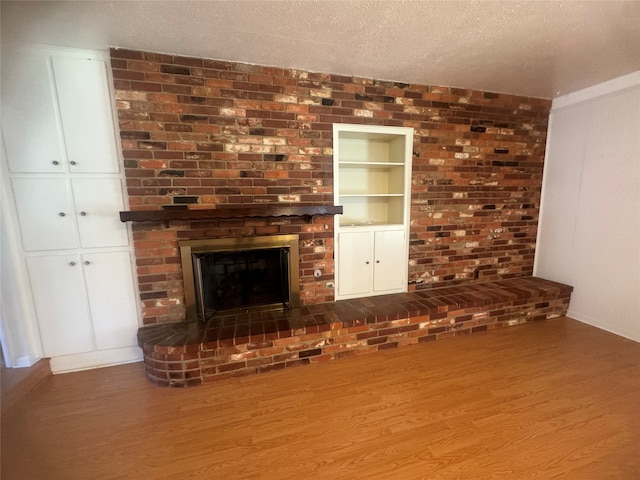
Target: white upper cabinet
x: 29, y: 118
x: 372, y: 181
x: 83, y: 95
x: 56, y: 112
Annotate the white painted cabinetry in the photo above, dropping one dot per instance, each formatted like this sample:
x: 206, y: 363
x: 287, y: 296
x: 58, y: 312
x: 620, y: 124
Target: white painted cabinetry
x: 56, y: 112
x: 68, y: 191
x: 85, y: 114
x: 370, y: 262
x: 390, y: 261
x: 63, y: 213
x: 70, y: 289
x: 29, y: 118
x: 372, y: 181
x: 44, y: 208
x: 61, y: 304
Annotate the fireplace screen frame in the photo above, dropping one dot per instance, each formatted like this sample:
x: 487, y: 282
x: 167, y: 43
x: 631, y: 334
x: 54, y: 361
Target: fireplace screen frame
x: 190, y: 249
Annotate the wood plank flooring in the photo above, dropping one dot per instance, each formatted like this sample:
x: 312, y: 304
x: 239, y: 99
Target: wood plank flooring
x: 555, y: 399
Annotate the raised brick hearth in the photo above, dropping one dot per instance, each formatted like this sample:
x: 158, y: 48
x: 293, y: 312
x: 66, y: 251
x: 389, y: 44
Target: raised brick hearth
x: 185, y: 354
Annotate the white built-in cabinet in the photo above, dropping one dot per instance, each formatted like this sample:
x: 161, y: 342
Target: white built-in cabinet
x: 372, y: 181
x: 56, y: 112
x: 84, y: 302
x: 61, y: 213
x: 67, y: 186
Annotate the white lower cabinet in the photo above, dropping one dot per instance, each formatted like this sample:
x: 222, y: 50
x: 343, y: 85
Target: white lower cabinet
x: 112, y: 301
x: 83, y: 302
x: 390, y: 261
x: 61, y: 305
x: 371, y: 262
x: 354, y: 264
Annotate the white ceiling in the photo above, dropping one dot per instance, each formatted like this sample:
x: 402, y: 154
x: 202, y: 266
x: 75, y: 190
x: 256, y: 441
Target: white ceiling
x: 533, y: 48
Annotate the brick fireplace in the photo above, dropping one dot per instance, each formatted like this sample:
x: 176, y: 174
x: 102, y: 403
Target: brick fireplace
x: 202, y: 134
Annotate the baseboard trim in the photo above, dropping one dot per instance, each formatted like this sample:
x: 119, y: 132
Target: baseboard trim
x: 97, y: 359
x: 18, y: 382
x: 635, y: 336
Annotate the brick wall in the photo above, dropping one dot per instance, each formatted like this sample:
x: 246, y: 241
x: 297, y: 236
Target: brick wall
x: 200, y: 133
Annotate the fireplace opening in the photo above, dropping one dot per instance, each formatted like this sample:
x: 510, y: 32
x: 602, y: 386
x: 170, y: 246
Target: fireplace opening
x: 239, y: 274
x: 242, y: 279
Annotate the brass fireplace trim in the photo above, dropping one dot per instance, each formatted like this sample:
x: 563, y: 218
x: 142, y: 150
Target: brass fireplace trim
x: 189, y: 247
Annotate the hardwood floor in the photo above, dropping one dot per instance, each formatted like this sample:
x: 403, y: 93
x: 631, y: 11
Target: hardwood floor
x: 554, y: 399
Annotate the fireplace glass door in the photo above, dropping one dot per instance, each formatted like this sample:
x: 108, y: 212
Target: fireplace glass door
x: 240, y: 274
x: 241, y: 279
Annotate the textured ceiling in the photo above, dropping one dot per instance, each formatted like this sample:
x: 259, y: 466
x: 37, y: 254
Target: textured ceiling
x: 534, y: 48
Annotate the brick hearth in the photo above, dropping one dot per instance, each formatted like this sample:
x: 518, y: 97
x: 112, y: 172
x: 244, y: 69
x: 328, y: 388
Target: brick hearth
x: 185, y: 354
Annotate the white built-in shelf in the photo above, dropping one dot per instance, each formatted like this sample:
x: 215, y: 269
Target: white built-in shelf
x: 343, y: 195
x: 372, y: 182
x: 371, y: 164
x: 372, y: 174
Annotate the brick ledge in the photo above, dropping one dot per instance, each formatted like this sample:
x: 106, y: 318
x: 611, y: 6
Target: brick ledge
x: 185, y: 354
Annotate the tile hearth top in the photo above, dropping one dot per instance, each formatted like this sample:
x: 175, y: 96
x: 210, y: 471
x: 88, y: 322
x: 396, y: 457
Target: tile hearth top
x: 261, y: 326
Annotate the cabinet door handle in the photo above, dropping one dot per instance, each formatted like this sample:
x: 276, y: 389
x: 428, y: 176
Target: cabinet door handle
x: 377, y: 261
x: 62, y: 214
x: 73, y: 264
x: 56, y: 162
x: 367, y: 262
x: 87, y: 262
x: 83, y: 214
x: 72, y: 162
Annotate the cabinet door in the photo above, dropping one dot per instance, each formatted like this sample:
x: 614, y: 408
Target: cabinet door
x: 85, y: 112
x: 112, y: 301
x: 61, y: 304
x: 354, y: 263
x: 390, y: 259
x: 29, y: 121
x: 98, y: 202
x: 45, y: 213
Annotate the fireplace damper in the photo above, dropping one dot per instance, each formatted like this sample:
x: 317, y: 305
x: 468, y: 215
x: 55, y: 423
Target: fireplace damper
x: 239, y: 274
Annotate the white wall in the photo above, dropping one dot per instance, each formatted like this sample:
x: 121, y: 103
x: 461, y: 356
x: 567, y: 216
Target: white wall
x: 19, y: 333
x: 589, y: 230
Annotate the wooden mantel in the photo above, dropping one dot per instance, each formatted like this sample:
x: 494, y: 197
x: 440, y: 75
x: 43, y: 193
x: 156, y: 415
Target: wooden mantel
x: 222, y: 213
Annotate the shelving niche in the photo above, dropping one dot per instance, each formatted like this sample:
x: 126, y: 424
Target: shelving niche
x: 371, y: 167
x: 372, y: 181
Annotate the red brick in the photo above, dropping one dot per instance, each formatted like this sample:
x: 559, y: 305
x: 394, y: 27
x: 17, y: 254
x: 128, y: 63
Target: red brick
x: 502, y: 236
